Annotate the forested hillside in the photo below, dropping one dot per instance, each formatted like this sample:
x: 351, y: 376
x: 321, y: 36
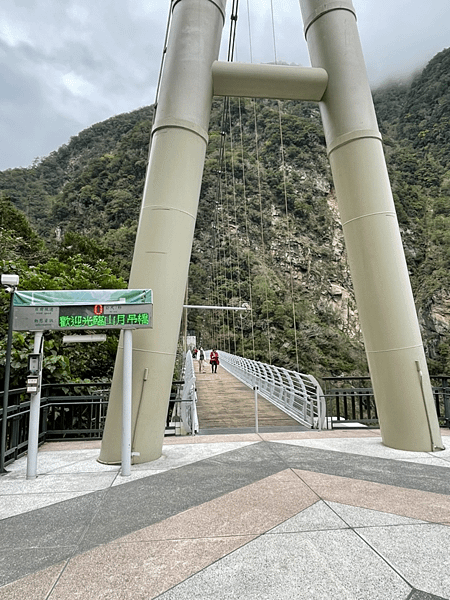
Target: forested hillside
x: 268, y: 231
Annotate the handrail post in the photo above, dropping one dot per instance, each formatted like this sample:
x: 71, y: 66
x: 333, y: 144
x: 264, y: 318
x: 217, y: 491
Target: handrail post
x: 255, y: 388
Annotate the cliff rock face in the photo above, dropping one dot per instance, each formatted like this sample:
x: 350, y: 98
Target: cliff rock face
x: 268, y: 231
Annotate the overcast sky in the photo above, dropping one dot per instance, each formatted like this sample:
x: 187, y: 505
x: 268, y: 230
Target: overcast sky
x: 67, y: 64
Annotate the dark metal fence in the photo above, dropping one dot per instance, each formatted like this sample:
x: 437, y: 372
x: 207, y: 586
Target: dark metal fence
x: 441, y: 393
x: 351, y: 400
x: 74, y: 411
x: 69, y: 411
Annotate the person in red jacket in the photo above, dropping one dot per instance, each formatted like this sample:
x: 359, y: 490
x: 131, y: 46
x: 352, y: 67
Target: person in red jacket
x: 214, y: 360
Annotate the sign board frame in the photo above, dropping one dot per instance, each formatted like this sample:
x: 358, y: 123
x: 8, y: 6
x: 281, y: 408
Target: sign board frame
x: 63, y: 310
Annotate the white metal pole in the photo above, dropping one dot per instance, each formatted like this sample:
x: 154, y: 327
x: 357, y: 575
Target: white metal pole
x: 35, y: 408
x: 126, y: 402
x: 256, y: 409
x: 193, y: 409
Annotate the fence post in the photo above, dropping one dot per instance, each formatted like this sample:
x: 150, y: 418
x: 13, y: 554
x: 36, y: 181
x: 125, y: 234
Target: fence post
x: 256, y: 408
x: 319, y: 410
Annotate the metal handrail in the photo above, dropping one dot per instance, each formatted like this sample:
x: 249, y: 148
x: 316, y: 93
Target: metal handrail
x: 189, y: 396
x: 298, y: 395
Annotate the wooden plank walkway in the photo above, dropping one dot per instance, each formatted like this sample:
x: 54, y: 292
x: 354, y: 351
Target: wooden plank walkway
x: 226, y: 403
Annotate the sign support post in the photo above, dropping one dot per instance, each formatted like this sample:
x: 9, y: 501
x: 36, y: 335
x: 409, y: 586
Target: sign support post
x: 35, y: 408
x: 126, y: 401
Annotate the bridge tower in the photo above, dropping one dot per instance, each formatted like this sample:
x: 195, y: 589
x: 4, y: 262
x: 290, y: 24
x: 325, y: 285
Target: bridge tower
x: 387, y: 313
x: 166, y: 225
x: 384, y: 298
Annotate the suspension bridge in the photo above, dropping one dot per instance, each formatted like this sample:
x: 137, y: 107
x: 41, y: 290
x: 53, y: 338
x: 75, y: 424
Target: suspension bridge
x: 226, y: 405
x: 257, y: 516
x: 245, y: 395
x: 191, y: 75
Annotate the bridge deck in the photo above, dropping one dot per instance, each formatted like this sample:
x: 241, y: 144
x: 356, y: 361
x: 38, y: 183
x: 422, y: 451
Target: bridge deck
x: 226, y: 403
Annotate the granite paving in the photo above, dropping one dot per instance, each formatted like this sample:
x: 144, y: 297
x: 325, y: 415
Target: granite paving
x: 283, y: 515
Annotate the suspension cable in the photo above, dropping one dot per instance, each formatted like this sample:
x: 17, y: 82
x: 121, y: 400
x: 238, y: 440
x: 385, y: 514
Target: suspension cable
x: 288, y: 234
x: 222, y: 171
x: 233, y: 182
x: 163, y: 58
x: 273, y: 33
x: 223, y: 164
x: 249, y: 31
x: 247, y: 232
x: 226, y: 244
x: 263, y: 245
x: 283, y: 169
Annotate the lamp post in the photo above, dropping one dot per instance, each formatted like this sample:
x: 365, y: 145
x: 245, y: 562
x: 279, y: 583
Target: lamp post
x: 10, y: 283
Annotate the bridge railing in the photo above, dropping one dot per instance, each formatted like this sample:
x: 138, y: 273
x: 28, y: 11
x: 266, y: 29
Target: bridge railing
x: 351, y: 400
x: 188, y: 402
x: 298, y: 395
x: 68, y: 411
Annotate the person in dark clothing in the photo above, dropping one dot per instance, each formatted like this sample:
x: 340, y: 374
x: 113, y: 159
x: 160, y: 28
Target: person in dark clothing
x: 214, y: 360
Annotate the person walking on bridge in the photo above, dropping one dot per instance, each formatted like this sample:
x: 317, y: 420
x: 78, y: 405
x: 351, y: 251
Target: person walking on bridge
x: 214, y: 360
x: 201, y: 358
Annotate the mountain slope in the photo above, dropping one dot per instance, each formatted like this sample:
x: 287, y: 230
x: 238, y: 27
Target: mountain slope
x: 268, y: 231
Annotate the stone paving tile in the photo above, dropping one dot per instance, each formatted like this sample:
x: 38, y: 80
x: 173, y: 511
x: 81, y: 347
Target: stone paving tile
x: 416, y: 504
x: 317, y: 517
x: 16, y: 563
x: 36, y: 586
x: 17, y: 504
x: 178, y: 489
x: 61, y: 524
x: 76, y: 445
x: 174, y: 457
x: 355, y: 516
x: 38, y: 539
x: 139, y: 571
x: 322, y: 565
x: 375, y: 448
x: 50, y: 461
x: 256, y: 489
x: 407, y: 546
x: 212, y: 439
x: 325, y: 434
x: 419, y: 595
x: 387, y: 471
x: 250, y: 510
x: 58, y: 483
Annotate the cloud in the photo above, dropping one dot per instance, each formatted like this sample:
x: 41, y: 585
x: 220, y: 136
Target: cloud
x: 67, y: 64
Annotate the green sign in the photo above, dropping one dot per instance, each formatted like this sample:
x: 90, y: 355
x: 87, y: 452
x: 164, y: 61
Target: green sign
x: 101, y: 315
x: 79, y: 297
x: 83, y: 309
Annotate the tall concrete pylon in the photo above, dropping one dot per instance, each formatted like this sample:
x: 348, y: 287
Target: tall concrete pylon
x: 338, y: 80
x: 167, y: 221
x: 377, y: 262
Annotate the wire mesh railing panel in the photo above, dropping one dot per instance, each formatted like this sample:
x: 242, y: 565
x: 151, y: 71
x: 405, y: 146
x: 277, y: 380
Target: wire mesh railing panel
x: 298, y: 395
x: 188, y: 410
